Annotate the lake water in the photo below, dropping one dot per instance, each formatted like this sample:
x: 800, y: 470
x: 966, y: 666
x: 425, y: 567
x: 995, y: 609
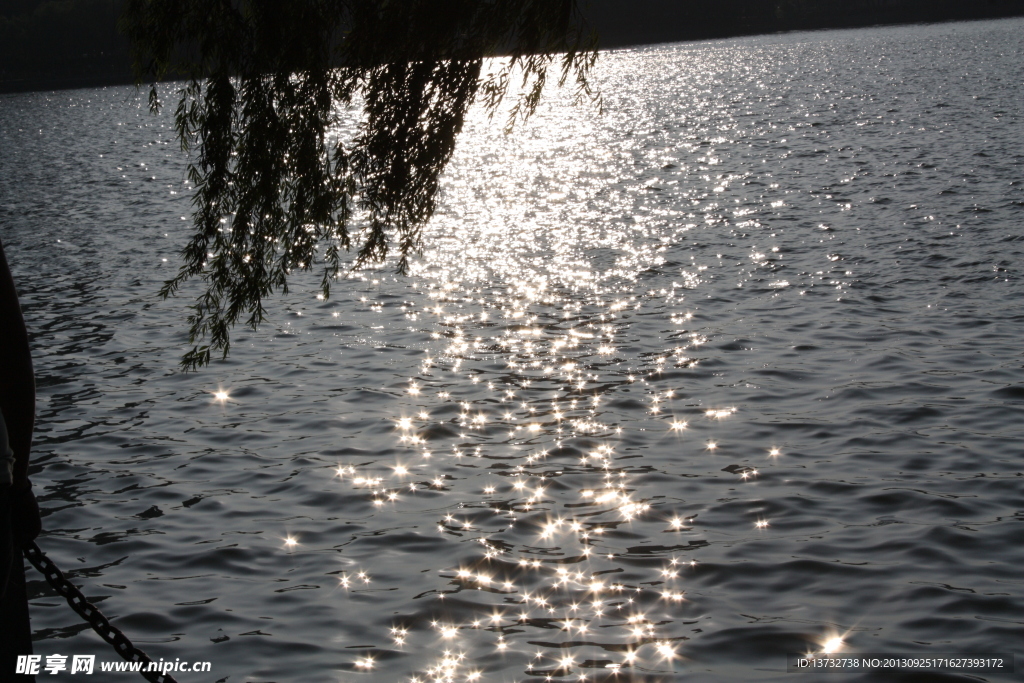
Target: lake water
x: 725, y: 373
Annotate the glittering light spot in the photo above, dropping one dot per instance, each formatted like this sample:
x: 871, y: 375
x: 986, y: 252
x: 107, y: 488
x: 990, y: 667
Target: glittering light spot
x: 666, y: 650
x: 832, y: 645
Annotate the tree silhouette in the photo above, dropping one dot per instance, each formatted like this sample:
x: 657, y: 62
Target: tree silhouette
x: 266, y: 81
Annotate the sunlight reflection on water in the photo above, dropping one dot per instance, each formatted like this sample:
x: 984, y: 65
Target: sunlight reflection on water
x: 712, y: 378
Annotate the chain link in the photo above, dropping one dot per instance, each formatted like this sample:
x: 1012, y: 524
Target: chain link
x: 93, y: 616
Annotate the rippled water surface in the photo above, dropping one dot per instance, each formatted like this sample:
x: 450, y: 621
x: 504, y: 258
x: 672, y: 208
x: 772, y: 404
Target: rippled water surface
x: 726, y: 372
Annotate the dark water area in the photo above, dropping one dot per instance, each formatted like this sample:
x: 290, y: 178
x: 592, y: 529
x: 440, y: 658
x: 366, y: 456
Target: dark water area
x: 723, y: 374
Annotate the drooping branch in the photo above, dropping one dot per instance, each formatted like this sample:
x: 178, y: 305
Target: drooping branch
x: 265, y: 82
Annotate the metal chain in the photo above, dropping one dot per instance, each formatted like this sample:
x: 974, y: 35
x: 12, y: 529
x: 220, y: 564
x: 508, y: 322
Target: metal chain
x: 93, y: 616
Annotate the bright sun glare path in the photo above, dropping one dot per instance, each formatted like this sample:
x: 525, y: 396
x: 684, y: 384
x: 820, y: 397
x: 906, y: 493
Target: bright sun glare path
x: 524, y: 294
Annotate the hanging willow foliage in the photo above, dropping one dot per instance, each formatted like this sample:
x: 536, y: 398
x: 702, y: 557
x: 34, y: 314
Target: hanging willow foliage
x: 265, y: 82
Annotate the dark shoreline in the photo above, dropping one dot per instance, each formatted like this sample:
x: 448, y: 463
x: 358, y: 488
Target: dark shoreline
x: 619, y: 24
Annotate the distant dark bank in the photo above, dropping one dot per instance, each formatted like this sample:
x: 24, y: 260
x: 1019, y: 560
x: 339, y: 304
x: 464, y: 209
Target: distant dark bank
x: 60, y: 44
